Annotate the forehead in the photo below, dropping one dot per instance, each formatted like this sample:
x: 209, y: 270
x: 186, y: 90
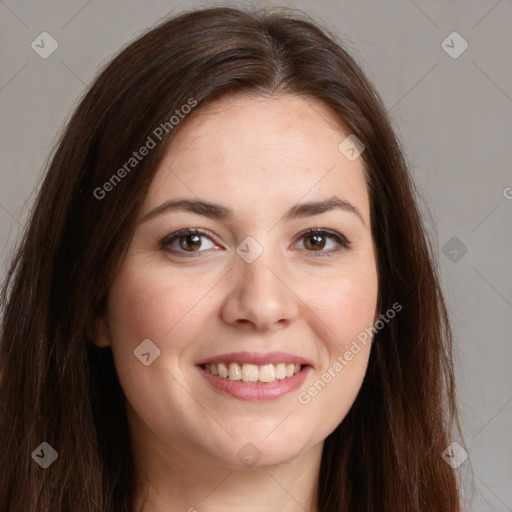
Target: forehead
x: 273, y: 150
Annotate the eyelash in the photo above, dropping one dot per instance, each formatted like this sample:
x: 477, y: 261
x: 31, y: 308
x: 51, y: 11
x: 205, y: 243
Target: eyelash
x: 342, y: 242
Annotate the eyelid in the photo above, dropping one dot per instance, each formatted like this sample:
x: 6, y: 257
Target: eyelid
x: 341, y: 240
x: 167, y: 240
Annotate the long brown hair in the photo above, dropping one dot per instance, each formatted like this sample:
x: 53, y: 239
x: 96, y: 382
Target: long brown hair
x: 58, y: 387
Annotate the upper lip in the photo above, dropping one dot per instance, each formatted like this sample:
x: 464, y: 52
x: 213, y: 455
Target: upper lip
x: 256, y: 358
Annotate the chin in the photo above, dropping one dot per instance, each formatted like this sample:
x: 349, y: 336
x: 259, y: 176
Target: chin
x: 259, y: 449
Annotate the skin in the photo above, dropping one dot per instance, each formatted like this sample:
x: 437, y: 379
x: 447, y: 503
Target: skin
x: 258, y: 156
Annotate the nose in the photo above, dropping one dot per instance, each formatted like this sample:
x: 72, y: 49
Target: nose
x: 261, y: 299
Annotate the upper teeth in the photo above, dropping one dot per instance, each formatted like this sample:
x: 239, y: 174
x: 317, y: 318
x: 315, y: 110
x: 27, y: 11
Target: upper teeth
x: 253, y: 373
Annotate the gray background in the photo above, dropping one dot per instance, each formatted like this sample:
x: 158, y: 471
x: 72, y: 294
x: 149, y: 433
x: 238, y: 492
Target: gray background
x: 454, y: 117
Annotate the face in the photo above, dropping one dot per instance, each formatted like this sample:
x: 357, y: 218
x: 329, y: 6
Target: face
x: 237, y: 276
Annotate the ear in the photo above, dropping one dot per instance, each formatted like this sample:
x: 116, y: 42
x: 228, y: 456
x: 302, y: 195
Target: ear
x: 101, y: 336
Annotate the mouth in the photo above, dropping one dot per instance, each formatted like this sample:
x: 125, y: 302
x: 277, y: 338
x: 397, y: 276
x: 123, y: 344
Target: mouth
x: 253, y: 373
x: 253, y: 376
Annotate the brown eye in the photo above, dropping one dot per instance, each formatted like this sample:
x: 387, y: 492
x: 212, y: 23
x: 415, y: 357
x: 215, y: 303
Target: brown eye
x: 323, y: 242
x: 315, y: 242
x: 187, y: 241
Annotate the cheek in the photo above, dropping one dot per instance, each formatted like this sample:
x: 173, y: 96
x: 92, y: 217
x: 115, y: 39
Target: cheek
x: 346, y: 306
x: 144, y: 305
x: 332, y: 392
x: 345, y: 312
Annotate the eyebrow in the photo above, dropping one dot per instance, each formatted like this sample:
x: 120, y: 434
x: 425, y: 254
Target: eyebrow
x: 217, y: 211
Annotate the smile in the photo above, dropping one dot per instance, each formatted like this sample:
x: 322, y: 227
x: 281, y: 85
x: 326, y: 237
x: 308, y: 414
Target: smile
x: 253, y: 373
x: 255, y: 390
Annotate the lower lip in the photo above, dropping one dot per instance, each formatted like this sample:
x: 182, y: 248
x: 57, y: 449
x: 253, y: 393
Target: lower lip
x: 256, y: 390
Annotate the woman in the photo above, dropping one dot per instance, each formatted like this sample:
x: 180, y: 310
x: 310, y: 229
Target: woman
x: 225, y: 298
